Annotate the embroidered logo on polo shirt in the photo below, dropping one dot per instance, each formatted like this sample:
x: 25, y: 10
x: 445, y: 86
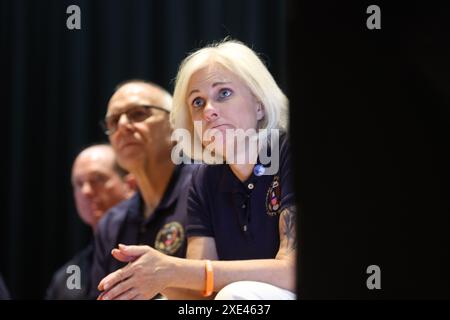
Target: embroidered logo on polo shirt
x: 170, y: 238
x: 273, y: 198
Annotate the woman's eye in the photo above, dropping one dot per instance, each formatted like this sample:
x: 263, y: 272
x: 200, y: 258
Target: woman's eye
x: 224, y: 93
x: 198, y: 103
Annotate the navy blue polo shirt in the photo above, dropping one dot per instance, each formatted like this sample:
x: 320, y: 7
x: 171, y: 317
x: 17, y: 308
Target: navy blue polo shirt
x: 242, y: 217
x: 125, y: 223
x: 58, y: 290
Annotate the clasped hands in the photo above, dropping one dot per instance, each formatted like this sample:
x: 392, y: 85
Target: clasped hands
x: 141, y: 279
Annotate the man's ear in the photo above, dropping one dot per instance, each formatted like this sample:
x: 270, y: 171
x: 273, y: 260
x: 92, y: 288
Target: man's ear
x: 130, y: 182
x: 259, y: 111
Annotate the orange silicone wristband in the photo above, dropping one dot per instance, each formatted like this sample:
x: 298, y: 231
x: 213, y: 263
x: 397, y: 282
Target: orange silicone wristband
x: 209, y: 279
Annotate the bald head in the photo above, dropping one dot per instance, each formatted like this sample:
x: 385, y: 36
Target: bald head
x: 97, y: 183
x: 100, y: 154
x: 140, y: 134
x: 139, y: 92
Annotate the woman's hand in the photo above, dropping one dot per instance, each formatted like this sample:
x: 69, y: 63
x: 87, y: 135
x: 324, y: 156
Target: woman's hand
x: 146, y: 274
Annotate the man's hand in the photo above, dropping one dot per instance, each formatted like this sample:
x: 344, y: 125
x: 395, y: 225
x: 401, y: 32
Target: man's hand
x: 145, y: 275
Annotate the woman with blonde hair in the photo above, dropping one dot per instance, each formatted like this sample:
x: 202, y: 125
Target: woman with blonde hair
x: 241, y: 213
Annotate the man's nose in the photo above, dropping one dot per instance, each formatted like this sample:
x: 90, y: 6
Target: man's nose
x: 123, y: 120
x: 86, y: 189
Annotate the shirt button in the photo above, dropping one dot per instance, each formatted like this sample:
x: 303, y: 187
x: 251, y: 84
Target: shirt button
x: 251, y: 186
x: 243, y: 206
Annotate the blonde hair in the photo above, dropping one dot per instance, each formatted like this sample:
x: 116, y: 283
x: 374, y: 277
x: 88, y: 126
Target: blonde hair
x: 243, y: 62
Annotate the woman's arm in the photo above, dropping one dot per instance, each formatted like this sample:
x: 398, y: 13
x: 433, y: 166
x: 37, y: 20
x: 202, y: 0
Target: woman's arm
x: 199, y: 248
x: 154, y: 272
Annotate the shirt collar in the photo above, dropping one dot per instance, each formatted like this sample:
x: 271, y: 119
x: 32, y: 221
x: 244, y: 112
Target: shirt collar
x: 169, y: 198
x: 136, y: 203
x: 230, y: 183
x: 173, y: 189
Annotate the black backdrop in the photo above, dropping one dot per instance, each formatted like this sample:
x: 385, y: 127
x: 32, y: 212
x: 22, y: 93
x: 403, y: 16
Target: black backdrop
x: 372, y: 121
x: 369, y: 110
x: 56, y: 86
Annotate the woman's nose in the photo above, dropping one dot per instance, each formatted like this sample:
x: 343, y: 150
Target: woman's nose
x: 210, y: 112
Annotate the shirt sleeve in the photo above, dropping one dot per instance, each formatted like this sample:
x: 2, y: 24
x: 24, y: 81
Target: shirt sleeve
x: 101, y: 254
x: 53, y: 290
x: 198, y: 211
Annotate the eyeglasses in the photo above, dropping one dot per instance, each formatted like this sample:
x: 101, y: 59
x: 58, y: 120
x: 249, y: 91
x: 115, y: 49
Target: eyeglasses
x: 135, y: 114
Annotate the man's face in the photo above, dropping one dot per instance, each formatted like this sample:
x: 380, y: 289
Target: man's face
x: 135, y: 142
x: 96, y: 186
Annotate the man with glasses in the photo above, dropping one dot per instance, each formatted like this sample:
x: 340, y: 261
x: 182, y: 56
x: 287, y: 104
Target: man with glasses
x: 138, y: 127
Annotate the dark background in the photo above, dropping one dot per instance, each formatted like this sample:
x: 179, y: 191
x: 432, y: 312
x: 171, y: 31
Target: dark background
x: 372, y: 120
x: 56, y: 86
x: 370, y: 124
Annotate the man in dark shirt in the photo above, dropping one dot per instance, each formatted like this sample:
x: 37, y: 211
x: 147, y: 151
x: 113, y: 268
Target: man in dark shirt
x: 137, y: 123
x: 98, y: 184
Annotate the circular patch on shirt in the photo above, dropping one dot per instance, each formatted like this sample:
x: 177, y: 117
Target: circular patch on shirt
x: 170, y: 238
x: 273, y: 198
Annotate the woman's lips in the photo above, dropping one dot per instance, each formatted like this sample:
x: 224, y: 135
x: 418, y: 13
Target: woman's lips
x: 222, y: 126
x: 128, y: 144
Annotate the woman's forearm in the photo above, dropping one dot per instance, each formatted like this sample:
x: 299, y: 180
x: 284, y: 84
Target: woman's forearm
x: 280, y: 273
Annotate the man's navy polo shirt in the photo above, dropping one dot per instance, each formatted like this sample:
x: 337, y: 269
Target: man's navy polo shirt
x: 164, y: 230
x: 242, y: 217
x: 58, y: 289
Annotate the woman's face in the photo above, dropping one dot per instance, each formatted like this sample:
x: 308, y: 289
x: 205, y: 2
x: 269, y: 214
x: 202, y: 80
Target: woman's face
x: 221, y: 101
